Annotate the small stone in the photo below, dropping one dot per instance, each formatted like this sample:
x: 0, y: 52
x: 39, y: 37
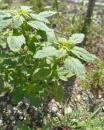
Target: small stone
x: 9, y: 111
x: 14, y: 122
x: 21, y: 117
x: 14, y: 108
x: 103, y: 108
x: 19, y: 112
x: 59, y: 114
x: 68, y: 110
x: 54, y: 109
x: 79, y: 97
x: 1, y: 121
x: 100, y: 96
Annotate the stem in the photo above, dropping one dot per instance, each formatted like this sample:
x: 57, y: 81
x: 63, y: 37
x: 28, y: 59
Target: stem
x: 89, y: 14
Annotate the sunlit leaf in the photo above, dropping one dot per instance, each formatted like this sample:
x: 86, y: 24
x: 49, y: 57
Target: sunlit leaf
x: 15, y: 42
x: 4, y: 14
x: 51, y: 35
x: 83, y: 54
x: 64, y: 74
x: 74, y: 66
x: 26, y: 8
x: 18, y: 21
x: 47, y: 13
x: 48, y: 51
x: 5, y: 23
x: 39, y: 18
x: 38, y: 25
x: 77, y: 38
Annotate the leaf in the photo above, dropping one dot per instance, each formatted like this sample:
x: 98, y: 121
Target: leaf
x: 42, y: 73
x: 4, y: 15
x: 42, y: 26
x: 47, y: 13
x: 17, y: 94
x: 18, y: 21
x: 5, y: 23
x: 26, y: 8
x: 62, y: 40
x: 64, y: 74
x: 48, y: 51
x: 77, y: 38
x: 15, y: 42
x: 51, y: 35
x: 34, y: 99
x: 83, y: 54
x: 74, y: 66
x: 39, y: 18
x: 38, y: 25
x: 32, y: 92
x: 57, y: 92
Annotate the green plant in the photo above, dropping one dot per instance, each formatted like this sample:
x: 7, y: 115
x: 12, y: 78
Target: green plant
x: 56, y: 5
x: 3, y: 4
x: 33, y: 60
x: 37, y: 5
x: 94, y: 79
x: 76, y: 120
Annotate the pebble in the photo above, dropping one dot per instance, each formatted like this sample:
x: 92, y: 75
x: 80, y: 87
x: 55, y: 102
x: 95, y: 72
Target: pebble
x: 1, y: 121
x: 68, y: 110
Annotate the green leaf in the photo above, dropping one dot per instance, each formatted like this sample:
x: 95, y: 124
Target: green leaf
x: 42, y: 26
x: 47, y: 13
x: 17, y: 94
x: 26, y: 8
x: 62, y: 40
x: 64, y: 74
x: 83, y: 54
x: 42, y: 73
x: 48, y: 51
x: 77, y: 38
x: 51, y: 35
x: 38, y: 25
x: 74, y: 66
x: 57, y: 92
x: 34, y: 99
x: 18, y: 21
x: 15, y: 42
x: 39, y: 18
x: 5, y: 23
x: 4, y: 14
